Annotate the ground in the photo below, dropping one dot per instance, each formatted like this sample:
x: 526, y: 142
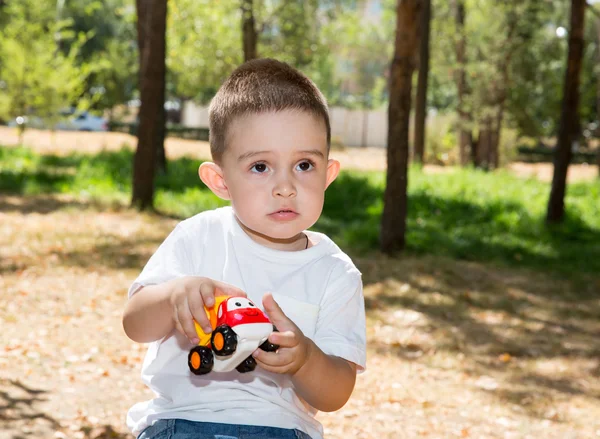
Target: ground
x: 456, y: 349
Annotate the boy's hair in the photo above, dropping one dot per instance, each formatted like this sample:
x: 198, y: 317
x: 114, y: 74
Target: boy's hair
x: 261, y: 86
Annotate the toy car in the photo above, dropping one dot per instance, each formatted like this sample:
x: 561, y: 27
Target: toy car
x: 239, y: 328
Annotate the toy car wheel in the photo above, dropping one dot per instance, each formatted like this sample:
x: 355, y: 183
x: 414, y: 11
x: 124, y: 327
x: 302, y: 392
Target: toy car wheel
x: 223, y: 341
x: 247, y: 365
x: 200, y: 360
x: 268, y: 346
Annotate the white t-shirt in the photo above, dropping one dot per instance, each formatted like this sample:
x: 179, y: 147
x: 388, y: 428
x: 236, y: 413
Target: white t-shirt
x: 319, y: 289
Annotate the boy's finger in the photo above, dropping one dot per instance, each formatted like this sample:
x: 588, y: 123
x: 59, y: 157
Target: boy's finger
x: 287, y: 339
x: 185, y: 320
x: 276, y: 315
x: 207, y: 292
x: 273, y: 359
x: 224, y: 289
x: 199, y: 313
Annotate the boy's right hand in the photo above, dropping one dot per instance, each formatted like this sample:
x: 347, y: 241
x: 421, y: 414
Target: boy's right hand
x: 189, y: 296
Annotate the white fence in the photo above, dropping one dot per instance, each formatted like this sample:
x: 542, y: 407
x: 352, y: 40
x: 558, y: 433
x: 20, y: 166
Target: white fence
x: 349, y: 127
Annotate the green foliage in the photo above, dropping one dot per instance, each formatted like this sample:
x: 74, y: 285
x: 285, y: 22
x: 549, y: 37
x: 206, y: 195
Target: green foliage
x: 35, y: 76
x: 110, y: 52
x: 204, y: 45
x: 462, y: 213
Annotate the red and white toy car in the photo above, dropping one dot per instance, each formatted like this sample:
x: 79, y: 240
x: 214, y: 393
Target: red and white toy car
x: 239, y: 328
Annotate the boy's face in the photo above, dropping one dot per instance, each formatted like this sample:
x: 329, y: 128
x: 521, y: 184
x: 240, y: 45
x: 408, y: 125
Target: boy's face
x: 275, y: 171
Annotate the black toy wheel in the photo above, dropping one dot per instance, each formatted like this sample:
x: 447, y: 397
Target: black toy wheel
x: 247, y: 365
x: 223, y: 341
x: 200, y: 360
x: 267, y: 346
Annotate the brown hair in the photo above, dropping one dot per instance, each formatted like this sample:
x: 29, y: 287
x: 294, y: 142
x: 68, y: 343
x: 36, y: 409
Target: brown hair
x: 261, y: 86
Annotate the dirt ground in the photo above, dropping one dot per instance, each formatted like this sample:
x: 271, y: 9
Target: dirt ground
x: 63, y: 142
x: 455, y: 349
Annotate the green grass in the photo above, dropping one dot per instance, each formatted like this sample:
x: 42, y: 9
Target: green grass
x: 464, y: 214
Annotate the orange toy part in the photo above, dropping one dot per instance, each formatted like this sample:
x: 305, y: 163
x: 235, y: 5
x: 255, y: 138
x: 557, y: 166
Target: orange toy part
x: 195, y: 359
x: 211, y: 313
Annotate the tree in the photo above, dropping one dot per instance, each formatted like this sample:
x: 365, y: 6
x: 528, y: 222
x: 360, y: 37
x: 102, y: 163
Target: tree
x: 568, y: 115
x: 152, y: 16
x: 597, y: 70
x: 143, y: 34
x: 465, y: 137
x: 393, y: 222
x: 110, y: 51
x: 35, y: 76
x: 421, y: 101
x: 249, y: 31
x: 204, y: 47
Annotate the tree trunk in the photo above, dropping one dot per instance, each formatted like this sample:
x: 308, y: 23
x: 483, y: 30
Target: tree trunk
x: 568, y: 115
x: 143, y: 23
x: 484, y: 144
x: 249, y: 32
x: 496, y: 133
x: 465, y: 136
x: 598, y: 93
x: 393, y: 221
x: 421, y: 102
x: 151, y: 37
x: 474, y: 150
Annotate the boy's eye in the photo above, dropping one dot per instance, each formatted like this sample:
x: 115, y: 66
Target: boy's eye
x: 304, y: 166
x: 259, y: 168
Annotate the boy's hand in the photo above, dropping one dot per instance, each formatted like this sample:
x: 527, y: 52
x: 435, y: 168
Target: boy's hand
x: 294, y: 348
x: 189, y: 296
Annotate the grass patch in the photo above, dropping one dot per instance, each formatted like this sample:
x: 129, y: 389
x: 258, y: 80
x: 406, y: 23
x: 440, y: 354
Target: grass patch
x: 463, y: 214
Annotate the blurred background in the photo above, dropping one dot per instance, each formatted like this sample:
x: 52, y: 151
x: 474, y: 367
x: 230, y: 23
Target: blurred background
x: 469, y: 137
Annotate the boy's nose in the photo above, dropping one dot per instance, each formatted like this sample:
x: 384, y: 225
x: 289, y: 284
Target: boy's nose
x: 284, y: 188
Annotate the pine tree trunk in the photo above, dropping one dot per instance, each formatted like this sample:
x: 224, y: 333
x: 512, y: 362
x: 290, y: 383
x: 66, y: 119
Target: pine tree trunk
x: 465, y: 136
x: 421, y: 102
x: 568, y: 115
x: 393, y: 221
x: 151, y: 37
x: 249, y: 32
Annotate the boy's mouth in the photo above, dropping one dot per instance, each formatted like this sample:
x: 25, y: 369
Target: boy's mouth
x: 284, y: 211
x: 284, y: 214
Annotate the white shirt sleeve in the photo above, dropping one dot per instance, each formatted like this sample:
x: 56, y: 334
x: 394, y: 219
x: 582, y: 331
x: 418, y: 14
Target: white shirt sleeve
x: 171, y: 260
x: 341, y: 325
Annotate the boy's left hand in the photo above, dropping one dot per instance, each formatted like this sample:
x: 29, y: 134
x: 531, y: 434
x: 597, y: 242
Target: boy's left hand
x: 294, y: 348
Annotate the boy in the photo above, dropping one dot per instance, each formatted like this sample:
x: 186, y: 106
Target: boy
x: 269, y: 138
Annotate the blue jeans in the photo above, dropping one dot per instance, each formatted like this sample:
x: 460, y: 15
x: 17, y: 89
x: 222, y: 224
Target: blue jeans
x: 181, y: 429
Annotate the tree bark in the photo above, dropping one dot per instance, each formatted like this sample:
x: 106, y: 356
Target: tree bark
x: 484, y: 144
x: 151, y: 38
x: 598, y: 93
x: 496, y: 133
x: 393, y: 222
x: 421, y: 102
x: 465, y: 136
x: 568, y: 115
x: 249, y: 32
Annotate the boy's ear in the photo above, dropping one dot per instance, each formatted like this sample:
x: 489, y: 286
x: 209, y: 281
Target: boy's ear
x: 333, y: 169
x: 211, y: 175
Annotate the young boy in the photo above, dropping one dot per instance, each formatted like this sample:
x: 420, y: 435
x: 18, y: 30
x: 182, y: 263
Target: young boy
x: 269, y: 138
